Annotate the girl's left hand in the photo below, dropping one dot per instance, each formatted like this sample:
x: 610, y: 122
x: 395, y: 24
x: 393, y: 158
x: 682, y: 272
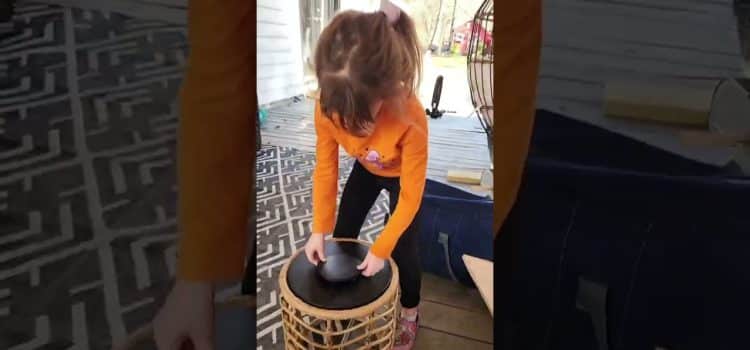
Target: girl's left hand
x: 371, y: 265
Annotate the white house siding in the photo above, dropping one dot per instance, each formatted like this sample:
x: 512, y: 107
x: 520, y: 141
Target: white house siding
x: 280, y: 74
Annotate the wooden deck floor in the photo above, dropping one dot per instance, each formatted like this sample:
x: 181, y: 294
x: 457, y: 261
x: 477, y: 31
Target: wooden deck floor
x: 588, y: 43
x: 455, y: 142
x: 452, y: 317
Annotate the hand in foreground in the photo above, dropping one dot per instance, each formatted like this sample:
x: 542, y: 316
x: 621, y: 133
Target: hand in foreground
x: 315, y: 249
x: 371, y: 265
x: 186, y: 317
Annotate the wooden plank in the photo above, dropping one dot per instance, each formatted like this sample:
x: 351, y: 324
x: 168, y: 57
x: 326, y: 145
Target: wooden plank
x: 597, y: 66
x: 666, y: 62
x: 472, y: 325
x: 444, y: 291
x: 586, y: 89
x: 634, y: 49
x: 459, y: 158
x: 716, y: 139
x: 566, y: 106
x: 679, y: 11
x: 590, y: 80
x: 672, y: 103
x: 570, y: 22
x: 481, y: 272
x: 468, y: 177
x: 570, y: 88
x: 429, y: 339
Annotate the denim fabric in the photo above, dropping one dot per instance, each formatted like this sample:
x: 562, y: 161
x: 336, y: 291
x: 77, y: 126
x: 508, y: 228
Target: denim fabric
x: 669, y: 237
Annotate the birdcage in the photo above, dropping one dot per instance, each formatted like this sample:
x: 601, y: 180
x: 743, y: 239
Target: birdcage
x: 480, y: 60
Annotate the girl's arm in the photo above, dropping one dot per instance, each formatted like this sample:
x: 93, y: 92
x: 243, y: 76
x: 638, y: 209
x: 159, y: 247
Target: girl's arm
x: 518, y: 28
x: 412, y: 183
x: 214, y: 147
x: 325, y: 176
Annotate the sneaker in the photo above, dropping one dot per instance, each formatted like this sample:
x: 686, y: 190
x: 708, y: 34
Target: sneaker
x: 407, y: 334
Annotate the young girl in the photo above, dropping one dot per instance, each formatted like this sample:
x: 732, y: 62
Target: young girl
x: 215, y: 144
x: 367, y: 66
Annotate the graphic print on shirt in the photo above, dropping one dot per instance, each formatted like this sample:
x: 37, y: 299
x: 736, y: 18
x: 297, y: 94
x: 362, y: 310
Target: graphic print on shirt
x: 373, y: 157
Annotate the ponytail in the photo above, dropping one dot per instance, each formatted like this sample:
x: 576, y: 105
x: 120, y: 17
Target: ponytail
x: 407, y: 34
x: 404, y: 26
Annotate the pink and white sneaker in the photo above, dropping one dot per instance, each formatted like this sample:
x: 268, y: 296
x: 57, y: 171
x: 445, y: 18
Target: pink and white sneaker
x: 407, y: 334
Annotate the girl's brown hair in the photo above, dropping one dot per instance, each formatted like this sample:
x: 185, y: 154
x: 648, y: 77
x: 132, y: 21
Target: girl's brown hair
x: 362, y: 58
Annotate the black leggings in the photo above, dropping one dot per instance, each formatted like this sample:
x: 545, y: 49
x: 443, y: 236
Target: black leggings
x: 361, y: 190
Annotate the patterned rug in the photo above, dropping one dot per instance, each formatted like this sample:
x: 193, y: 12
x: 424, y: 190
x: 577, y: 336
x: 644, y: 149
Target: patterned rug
x: 87, y: 175
x: 284, y: 186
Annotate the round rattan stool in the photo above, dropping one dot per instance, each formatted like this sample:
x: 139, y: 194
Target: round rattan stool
x: 320, y: 315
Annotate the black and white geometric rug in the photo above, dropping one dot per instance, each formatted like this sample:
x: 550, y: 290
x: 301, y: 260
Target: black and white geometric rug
x: 284, y: 186
x: 87, y: 174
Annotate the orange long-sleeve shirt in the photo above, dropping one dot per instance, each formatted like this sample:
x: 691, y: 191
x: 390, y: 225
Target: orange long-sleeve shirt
x: 517, y: 44
x: 397, y: 147
x: 215, y: 148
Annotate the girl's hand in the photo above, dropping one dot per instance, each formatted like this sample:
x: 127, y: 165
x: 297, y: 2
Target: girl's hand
x: 371, y: 265
x: 315, y: 249
x: 187, y: 317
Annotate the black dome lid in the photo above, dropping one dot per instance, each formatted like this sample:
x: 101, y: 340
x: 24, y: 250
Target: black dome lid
x: 337, y: 284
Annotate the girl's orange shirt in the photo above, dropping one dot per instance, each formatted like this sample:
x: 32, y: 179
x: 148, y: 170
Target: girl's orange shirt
x: 215, y: 149
x: 396, y: 147
x: 215, y: 138
x: 517, y: 42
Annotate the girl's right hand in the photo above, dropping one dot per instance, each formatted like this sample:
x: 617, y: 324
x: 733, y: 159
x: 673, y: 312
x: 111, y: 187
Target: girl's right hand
x: 315, y: 248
